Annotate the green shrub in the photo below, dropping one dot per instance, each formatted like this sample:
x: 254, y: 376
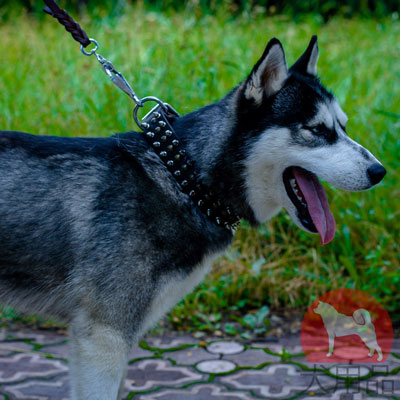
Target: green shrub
x: 325, y: 8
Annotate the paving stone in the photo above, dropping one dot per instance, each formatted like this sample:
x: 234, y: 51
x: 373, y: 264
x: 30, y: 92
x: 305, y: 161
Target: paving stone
x: 28, y: 374
x: 190, y: 356
x: 56, y: 389
x: 340, y: 395
x: 3, y: 333
x: 40, y: 337
x: 340, y: 356
x: 392, y: 362
x: 380, y: 369
x: 23, y: 366
x: 388, y: 385
x: 57, y: 350
x: 197, y: 392
x: 350, y: 371
x: 343, y: 352
x: 303, y: 361
x: 6, y: 353
x: 396, y: 351
x: 274, y: 347
x: 351, y: 354
x: 277, y: 381
x: 263, y: 342
x: 291, y: 344
x: 150, y: 374
x: 384, y: 385
x: 167, y: 342
x: 16, y: 346
x: 215, y: 366
x: 396, y: 345
x: 225, y: 347
x: 138, y: 352
x: 251, y: 358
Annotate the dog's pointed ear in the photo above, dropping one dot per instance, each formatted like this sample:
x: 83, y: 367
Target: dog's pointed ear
x: 269, y: 74
x: 307, y: 63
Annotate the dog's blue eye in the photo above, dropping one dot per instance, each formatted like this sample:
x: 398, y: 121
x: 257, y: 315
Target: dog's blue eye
x: 316, y: 130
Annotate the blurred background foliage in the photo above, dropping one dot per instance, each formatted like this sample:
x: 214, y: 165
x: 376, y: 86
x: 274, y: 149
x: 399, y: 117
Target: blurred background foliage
x: 191, y: 53
x: 325, y: 8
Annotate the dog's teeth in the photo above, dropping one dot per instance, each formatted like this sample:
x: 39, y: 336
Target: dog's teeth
x: 297, y: 191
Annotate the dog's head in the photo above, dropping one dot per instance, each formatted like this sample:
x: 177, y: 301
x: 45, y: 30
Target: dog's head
x: 318, y: 309
x: 325, y: 309
x: 322, y: 308
x: 297, y: 133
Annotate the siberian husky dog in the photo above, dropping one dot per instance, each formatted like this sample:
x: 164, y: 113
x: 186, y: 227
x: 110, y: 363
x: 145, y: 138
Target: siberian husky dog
x: 96, y: 232
x: 337, y: 325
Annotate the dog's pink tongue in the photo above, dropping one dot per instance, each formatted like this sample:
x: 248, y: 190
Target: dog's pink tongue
x: 317, y: 203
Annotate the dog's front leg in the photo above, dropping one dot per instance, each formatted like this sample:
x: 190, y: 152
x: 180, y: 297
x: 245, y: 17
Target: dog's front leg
x: 98, y: 358
x: 331, y: 343
x: 122, y: 383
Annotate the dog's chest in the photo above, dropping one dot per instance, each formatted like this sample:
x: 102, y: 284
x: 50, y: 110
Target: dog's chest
x: 172, y: 289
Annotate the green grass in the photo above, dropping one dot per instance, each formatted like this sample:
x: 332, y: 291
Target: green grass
x: 48, y: 87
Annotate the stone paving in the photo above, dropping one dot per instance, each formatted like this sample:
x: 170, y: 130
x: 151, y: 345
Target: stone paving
x: 34, y: 366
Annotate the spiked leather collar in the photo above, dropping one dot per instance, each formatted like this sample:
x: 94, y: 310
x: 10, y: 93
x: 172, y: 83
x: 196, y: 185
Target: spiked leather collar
x: 160, y: 135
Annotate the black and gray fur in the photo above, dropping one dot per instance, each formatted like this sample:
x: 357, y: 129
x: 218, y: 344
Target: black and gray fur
x: 95, y: 231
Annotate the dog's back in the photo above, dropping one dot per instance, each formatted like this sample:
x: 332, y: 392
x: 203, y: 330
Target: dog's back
x: 83, y: 218
x: 342, y: 324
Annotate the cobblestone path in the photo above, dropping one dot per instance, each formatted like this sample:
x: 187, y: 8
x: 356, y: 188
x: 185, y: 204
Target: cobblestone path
x: 34, y: 366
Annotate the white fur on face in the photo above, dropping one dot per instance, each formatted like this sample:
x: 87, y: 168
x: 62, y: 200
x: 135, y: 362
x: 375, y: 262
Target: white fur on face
x: 340, y: 115
x: 264, y: 173
x: 323, y: 117
x: 343, y: 164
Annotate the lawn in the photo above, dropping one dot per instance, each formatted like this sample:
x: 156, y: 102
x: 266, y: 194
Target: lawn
x: 48, y: 87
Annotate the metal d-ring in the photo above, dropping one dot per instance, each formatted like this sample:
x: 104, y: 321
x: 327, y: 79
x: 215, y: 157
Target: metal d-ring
x: 142, y: 101
x: 96, y: 46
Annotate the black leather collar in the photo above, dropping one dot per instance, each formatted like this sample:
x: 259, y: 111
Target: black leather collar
x: 160, y: 135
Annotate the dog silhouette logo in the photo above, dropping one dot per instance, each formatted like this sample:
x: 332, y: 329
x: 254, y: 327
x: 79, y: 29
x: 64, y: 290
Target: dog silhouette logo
x: 346, y: 326
x: 359, y: 323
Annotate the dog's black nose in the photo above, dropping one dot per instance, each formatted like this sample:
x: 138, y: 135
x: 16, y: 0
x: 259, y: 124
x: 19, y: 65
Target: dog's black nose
x: 376, y: 172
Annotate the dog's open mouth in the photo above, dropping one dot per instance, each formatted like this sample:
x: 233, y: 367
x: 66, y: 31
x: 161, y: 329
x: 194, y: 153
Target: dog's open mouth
x: 308, y: 196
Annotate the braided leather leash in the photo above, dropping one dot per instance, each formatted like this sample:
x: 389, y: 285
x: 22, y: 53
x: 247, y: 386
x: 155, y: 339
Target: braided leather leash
x: 65, y: 19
